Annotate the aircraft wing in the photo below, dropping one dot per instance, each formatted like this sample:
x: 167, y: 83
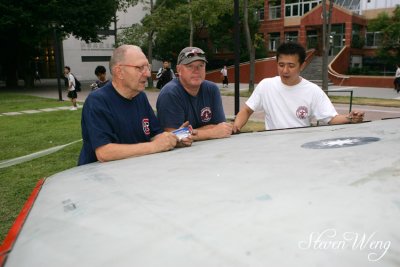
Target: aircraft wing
x: 319, y: 196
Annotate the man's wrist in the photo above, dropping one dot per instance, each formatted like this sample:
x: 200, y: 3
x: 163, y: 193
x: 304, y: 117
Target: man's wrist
x: 349, y: 119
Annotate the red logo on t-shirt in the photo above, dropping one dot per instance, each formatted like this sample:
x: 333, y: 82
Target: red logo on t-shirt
x: 206, y: 114
x: 302, y: 112
x: 146, y: 126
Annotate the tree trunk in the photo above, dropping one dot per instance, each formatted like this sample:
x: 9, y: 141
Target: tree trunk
x: 191, y: 25
x: 150, y: 56
x: 326, y: 32
x: 250, y: 46
x: 150, y: 48
x: 10, y: 62
x: 324, y: 47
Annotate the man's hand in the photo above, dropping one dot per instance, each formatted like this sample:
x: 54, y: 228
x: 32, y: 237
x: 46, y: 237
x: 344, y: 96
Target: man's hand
x: 235, y: 129
x: 187, y: 141
x: 223, y: 129
x: 165, y: 141
x: 356, y: 116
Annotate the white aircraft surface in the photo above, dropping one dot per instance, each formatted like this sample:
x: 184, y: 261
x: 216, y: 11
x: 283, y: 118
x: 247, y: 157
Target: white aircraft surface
x: 318, y: 196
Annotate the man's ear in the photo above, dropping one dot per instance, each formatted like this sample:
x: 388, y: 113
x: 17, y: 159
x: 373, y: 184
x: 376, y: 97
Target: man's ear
x: 178, y: 68
x: 117, y: 71
x: 303, y: 66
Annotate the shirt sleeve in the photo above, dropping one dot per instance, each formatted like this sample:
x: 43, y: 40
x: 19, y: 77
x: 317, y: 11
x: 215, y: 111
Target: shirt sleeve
x: 158, y: 75
x: 323, y: 109
x: 219, y: 114
x: 254, y: 102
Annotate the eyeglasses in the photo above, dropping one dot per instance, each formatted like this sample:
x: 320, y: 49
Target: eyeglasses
x: 194, y: 52
x: 141, y: 69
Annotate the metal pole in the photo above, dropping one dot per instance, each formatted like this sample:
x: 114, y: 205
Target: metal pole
x: 237, y: 56
x: 57, y: 62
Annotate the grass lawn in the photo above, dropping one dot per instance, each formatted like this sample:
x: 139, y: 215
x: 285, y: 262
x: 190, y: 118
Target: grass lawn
x: 24, y: 134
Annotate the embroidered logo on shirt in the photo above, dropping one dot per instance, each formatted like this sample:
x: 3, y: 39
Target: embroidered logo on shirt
x: 302, y: 112
x: 206, y: 114
x: 146, y: 126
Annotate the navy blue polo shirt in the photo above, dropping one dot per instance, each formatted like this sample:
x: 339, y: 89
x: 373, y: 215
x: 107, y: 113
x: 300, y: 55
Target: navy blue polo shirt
x: 175, y: 105
x: 107, y: 117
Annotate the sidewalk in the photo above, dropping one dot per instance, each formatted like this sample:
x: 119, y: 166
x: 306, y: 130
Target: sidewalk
x: 48, y: 89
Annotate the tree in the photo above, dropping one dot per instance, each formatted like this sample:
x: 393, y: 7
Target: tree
x: 25, y: 24
x: 326, y: 32
x: 165, y: 30
x: 251, y: 43
x: 143, y: 33
x: 211, y: 23
x: 389, y: 26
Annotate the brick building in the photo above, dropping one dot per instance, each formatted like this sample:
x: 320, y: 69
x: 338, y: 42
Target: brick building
x: 301, y: 20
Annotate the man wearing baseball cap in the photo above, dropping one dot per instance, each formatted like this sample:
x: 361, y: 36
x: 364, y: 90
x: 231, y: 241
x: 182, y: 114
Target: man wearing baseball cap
x: 192, y: 98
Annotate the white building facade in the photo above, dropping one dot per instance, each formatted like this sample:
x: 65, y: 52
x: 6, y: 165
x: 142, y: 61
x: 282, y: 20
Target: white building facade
x: 84, y: 57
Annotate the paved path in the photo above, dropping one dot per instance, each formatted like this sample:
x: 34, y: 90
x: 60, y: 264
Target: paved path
x: 48, y: 89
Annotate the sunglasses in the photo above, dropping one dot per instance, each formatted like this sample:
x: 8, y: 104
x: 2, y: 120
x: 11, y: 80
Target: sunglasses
x: 194, y: 53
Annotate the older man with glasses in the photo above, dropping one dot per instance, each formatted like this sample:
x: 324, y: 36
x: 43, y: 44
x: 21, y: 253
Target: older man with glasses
x: 118, y: 121
x: 191, y: 98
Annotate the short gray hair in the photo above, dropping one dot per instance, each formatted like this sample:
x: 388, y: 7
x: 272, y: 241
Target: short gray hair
x: 119, y: 54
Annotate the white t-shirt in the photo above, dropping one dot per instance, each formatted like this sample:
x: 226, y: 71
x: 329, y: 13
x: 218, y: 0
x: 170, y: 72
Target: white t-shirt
x: 224, y: 72
x: 398, y: 73
x: 71, y: 79
x: 290, y: 106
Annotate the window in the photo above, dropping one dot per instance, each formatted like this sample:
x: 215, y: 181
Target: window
x: 296, y: 8
x: 274, y: 12
x: 260, y: 14
x: 95, y: 58
x: 291, y: 36
x: 373, y: 39
x: 288, y: 11
x: 274, y: 41
x: 312, y: 39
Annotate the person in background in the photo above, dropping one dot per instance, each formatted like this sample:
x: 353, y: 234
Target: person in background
x: 117, y: 120
x: 397, y: 79
x: 70, y: 81
x: 290, y: 101
x: 101, y: 75
x: 37, y: 76
x: 192, y: 98
x: 224, y: 73
x: 164, y: 74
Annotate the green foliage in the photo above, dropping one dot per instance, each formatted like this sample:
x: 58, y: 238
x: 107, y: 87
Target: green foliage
x: 363, y: 71
x: 357, y: 41
x: 379, y: 23
x: 389, y: 50
x: 27, y: 24
x: 213, y: 29
x: 134, y: 35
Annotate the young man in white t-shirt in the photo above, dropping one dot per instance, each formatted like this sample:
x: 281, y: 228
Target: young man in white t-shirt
x: 290, y: 101
x: 71, y: 87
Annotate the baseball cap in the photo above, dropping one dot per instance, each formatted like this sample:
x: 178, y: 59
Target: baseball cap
x: 190, y: 54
